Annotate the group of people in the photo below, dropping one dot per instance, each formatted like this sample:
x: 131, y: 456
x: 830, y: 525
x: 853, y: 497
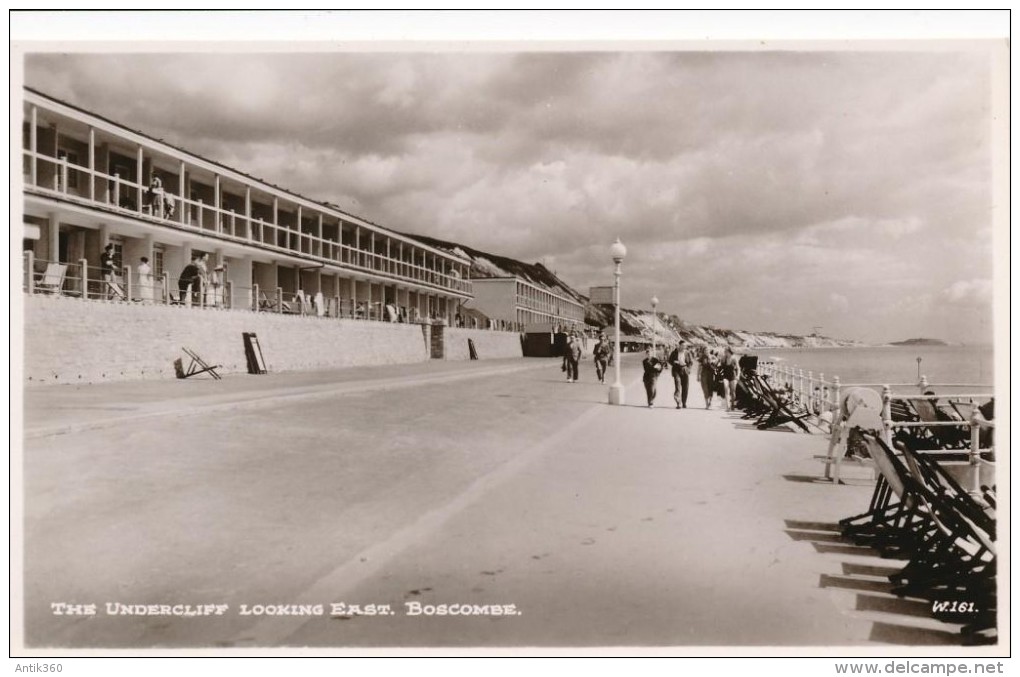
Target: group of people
x: 717, y: 373
x: 575, y: 349
x: 196, y: 282
x: 718, y: 369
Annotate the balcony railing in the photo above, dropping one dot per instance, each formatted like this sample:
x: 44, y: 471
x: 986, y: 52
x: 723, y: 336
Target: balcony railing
x: 113, y: 192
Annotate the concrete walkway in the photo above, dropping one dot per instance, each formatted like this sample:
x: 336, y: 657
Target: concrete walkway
x: 596, y: 526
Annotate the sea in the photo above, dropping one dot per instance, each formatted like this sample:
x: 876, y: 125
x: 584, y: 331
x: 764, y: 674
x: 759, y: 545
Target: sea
x: 957, y: 364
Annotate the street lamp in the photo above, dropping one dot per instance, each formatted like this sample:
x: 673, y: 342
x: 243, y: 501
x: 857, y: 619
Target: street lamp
x: 655, y: 302
x: 618, y: 252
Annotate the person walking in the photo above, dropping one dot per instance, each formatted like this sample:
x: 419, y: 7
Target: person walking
x: 680, y: 361
x: 707, y: 366
x: 574, y: 352
x: 602, y: 352
x: 652, y: 367
x: 730, y: 374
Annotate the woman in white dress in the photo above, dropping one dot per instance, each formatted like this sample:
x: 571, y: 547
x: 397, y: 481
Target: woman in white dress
x: 145, y: 281
x: 214, y: 295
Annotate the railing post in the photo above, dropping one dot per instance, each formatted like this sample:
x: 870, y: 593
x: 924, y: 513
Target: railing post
x: 835, y: 397
x: 84, y: 263
x: 975, y: 452
x: 823, y: 392
x: 887, y: 415
x: 201, y: 214
x: 30, y: 271
x: 255, y: 297
x: 336, y: 304
x: 228, y: 302
x: 127, y: 282
x: 279, y: 300
x: 233, y: 223
x: 811, y: 393
x: 166, y: 288
x: 116, y: 189
x: 63, y: 174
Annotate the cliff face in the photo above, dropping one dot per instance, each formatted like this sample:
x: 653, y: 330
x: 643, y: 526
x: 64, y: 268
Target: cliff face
x: 667, y: 328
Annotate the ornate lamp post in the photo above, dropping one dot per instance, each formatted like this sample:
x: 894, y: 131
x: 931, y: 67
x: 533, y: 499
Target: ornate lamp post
x: 618, y: 252
x: 655, y: 323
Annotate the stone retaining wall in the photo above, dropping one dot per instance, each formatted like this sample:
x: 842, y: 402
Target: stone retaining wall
x: 489, y: 344
x: 71, y: 341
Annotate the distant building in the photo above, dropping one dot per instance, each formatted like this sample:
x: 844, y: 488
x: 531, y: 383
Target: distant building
x: 90, y: 182
x: 518, y: 301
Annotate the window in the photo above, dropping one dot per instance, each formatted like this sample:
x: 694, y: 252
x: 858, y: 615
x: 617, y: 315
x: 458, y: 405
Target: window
x: 158, y: 258
x: 118, y: 253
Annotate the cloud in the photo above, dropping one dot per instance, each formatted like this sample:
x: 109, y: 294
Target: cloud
x: 826, y: 186
x: 969, y: 292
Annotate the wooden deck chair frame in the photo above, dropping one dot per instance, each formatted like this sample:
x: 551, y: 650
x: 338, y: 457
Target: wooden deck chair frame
x: 890, y: 525
x: 779, y: 412
x: 959, y: 557
x: 115, y: 291
x: 195, y: 367
x: 950, y: 555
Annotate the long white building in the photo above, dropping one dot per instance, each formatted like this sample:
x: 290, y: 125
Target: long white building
x: 88, y: 182
x: 517, y: 301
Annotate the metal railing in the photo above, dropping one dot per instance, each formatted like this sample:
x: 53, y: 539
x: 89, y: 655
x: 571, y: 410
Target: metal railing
x: 818, y: 396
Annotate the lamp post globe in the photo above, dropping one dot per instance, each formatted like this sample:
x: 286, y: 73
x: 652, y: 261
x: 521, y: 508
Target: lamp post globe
x: 618, y: 252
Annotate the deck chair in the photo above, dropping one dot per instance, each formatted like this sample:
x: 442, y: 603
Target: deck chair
x: 272, y: 305
x: 893, y: 517
x: 958, y: 559
x: 779, y: 411
x: 115, y: 291
x: 946, y: 437
x: 52, y: 281
x: 195, y: 367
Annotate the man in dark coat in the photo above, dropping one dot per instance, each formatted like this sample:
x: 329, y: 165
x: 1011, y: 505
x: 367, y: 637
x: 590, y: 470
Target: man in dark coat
x: 652, y: 367
x: 574, y: 352
x: 603, y: 351
x: 680, y: 362
x: 190, y: 276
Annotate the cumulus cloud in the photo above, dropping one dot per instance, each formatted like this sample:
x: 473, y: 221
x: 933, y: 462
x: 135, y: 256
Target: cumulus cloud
x: 803, y: 182
x: 976, y: 292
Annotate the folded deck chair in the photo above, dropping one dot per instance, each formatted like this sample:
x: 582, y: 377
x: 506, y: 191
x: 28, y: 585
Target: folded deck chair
x: 52, y: 281
x: 196, y: 367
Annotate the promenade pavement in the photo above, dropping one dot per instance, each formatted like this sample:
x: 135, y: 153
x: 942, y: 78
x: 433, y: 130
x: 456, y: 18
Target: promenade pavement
x: 399, y: 489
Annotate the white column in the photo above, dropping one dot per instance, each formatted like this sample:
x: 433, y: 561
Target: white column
x: 217, y: 205
x: 140, y: 178
x: 92, y: 163
x: 53, y: 237
x: 33, y: 145
x: 247, y: 211
x: 182, y: 207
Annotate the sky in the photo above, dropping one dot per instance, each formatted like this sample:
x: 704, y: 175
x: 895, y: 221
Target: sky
x: 780, y: 191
